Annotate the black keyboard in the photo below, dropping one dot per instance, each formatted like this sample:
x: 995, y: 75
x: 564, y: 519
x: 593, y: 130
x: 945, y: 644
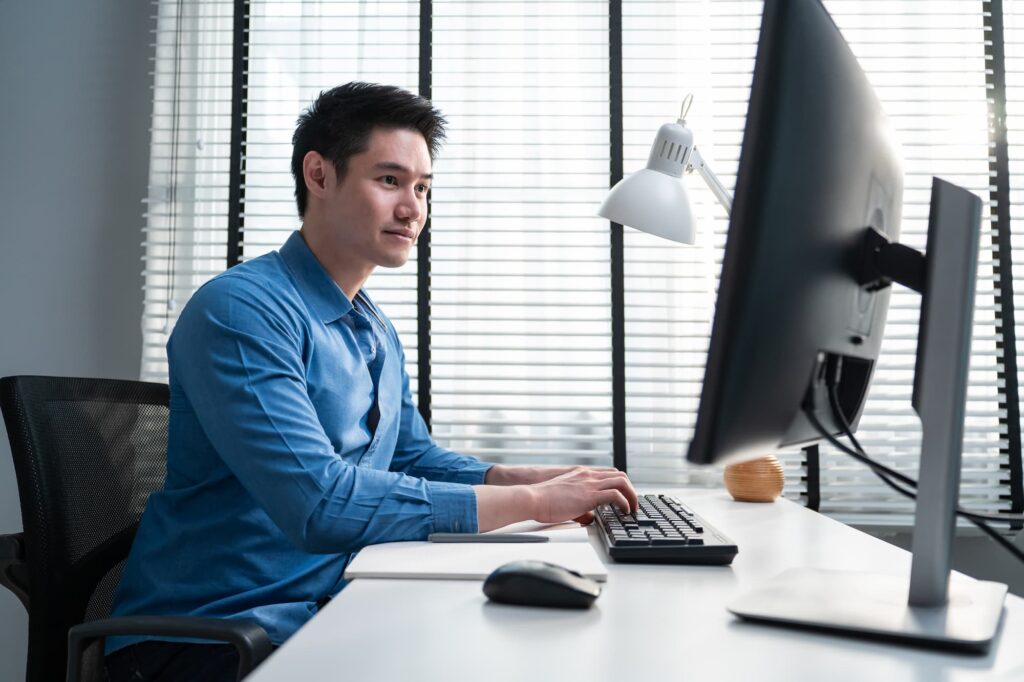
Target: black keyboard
x: 663, y: 531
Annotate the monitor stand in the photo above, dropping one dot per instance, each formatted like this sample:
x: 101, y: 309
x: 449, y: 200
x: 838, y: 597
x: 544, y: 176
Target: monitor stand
x: 933, y: 607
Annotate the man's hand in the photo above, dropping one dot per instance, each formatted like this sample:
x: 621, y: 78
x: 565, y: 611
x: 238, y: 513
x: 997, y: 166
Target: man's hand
x: 572, y: 494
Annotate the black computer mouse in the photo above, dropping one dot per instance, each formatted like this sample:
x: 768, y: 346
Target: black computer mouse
x: 538, y: 583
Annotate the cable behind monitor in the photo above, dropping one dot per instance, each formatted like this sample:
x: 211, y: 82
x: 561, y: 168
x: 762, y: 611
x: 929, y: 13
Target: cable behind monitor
x: 901, y: 483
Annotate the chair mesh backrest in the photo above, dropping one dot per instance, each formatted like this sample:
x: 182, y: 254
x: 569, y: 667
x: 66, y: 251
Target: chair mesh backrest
x: 87, y: 452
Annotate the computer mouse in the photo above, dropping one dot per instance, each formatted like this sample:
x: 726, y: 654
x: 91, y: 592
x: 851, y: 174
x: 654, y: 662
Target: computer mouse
x: 538, y: 583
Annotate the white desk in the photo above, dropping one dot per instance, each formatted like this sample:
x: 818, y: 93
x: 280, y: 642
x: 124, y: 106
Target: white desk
x: 653, y: 623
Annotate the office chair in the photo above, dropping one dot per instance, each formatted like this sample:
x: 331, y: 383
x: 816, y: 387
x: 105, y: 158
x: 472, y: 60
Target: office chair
x: 87, y: 454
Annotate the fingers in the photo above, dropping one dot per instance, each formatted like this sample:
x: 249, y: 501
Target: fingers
x: 614, y: 497
x: 622, y: 484
x: 630, y: 492
x: 576, y: 492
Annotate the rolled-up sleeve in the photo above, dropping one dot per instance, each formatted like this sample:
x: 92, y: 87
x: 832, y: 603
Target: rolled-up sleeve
x: 237, y: 353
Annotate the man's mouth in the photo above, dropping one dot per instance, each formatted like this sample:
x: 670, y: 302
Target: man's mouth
x: 407, y: 235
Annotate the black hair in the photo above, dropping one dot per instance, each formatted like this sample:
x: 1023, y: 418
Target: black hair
x: 339, y: 123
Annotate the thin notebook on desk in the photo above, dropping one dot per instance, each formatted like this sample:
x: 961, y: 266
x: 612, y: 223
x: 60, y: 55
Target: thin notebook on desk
x: 569, y: 546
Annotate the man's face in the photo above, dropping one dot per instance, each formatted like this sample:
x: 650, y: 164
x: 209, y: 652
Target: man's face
x: 376, y: 212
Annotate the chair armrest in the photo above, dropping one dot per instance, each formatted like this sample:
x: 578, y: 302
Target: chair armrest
x: 248, y: 638
x: 12, y: 548
x: 13, y: 573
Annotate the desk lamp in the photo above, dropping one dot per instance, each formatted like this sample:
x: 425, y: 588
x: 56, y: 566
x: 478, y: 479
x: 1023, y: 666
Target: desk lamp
x: 653, y: 199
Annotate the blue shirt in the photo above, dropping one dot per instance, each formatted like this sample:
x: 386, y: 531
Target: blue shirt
x: 293, y: 443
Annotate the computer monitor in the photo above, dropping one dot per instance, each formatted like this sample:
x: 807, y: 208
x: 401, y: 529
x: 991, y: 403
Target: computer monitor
x: 818, y: 165
x: 801, y: 310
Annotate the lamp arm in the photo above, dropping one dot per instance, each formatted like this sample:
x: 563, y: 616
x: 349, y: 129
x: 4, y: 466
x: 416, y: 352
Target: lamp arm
x: 721, y: 193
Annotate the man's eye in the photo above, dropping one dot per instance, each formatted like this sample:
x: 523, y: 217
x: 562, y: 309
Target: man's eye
x: 390, y: 179
x: 422, y: 189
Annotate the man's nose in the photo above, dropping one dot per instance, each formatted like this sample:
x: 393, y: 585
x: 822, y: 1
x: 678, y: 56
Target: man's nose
x: 409, y: 208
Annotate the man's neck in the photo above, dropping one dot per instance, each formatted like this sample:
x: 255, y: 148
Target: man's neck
x: 349, y: 277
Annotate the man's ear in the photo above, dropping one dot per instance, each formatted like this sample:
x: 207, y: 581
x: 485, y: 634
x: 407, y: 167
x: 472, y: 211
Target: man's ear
x: 318, y: 173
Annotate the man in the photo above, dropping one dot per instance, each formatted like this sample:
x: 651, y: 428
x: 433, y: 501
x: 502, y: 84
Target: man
x: 294, y: 441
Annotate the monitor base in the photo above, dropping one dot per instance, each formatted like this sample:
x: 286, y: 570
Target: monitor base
x: 873, y: 605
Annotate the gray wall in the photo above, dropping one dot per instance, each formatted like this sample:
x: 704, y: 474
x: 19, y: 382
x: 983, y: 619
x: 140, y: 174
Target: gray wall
x: 74, y: 157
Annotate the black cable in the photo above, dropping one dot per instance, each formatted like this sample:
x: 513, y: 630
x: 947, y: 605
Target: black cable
x: 886, y: 474
x: 882, y: 472
x: 1006, y: 544
x: 862, y: 456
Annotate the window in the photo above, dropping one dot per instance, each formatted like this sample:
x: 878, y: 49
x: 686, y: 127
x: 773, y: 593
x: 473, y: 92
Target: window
x: 520, y: 293
x: 187, y: 205
x: 516, y: 281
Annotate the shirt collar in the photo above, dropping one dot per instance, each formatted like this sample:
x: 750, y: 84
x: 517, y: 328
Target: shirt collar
x: 313, y: 282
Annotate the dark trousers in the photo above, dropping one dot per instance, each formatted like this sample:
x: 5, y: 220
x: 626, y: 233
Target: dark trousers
x: 156, y: 661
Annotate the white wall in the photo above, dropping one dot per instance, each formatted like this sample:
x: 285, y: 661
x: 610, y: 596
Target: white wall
x: 75, y: 109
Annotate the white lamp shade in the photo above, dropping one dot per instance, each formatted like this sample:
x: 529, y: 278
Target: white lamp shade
x: 652, y: 202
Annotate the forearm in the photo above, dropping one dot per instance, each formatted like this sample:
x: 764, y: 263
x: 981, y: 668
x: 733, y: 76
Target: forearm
x: 498, y: 506
x: 367, y: 506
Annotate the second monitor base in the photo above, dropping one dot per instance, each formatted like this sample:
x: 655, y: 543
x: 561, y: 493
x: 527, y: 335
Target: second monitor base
x: 875, y: 605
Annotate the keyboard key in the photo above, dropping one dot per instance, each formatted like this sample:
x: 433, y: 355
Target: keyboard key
x: 631, y: 542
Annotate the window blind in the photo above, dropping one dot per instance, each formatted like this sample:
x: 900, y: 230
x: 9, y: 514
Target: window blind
x: 671, y: 49
x: 185, y: 228
x: 1013, y: 35
x: 926, y: 63
x: 294, y: 51
x: 520, y: 292
x: 519, y: 275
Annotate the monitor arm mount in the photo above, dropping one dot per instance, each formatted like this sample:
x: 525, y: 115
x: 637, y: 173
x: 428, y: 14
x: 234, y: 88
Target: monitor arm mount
x: 884, y: 262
